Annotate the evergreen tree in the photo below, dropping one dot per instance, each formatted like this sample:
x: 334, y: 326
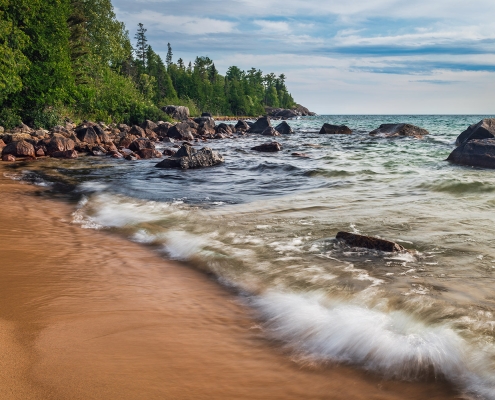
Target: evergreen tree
x: 141, y: 44
x: 168, y: 59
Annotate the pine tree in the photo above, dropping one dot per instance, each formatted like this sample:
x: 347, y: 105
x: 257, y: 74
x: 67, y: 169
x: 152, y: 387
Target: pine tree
x: 168, y: 59
x: 142, y: 44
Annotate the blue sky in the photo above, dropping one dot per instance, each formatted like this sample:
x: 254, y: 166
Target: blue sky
x: 340, y: 57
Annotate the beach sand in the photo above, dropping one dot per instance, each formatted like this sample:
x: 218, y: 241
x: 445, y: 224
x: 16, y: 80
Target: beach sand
x: 88, y: 315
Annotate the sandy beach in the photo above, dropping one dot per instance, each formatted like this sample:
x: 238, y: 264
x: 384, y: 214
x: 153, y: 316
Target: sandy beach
x: 88, y: 315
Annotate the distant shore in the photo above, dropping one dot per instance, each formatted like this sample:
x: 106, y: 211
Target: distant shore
x: 84, y: 314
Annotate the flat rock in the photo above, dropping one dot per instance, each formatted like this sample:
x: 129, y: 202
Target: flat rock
x: 399, y: 130
x: 485, y: 129
x: 369, y: 242
x: 269, y: 147
x: 330, y: 129
x: 205, y: 157
x: 475, y: 153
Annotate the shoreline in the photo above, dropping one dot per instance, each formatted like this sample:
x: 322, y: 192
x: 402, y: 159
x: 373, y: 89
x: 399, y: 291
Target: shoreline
x: 86, y: 314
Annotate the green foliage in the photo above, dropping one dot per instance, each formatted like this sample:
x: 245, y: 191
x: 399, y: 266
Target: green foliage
x: 46, y: 118
x: 9, y: 118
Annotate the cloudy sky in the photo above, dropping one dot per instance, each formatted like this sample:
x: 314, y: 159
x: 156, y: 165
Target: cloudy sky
x: 340, y: 57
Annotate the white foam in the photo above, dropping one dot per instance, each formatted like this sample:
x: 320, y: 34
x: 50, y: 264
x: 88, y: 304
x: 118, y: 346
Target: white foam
x: 391, y: 343
x: 181, y: 245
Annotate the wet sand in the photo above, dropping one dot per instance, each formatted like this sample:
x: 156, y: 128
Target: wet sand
x: 88, y: 315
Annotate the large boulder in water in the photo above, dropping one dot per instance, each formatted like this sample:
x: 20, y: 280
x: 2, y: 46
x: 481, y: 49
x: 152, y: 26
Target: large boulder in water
x: 241, y: 126
x: 177, y: 112
x: 475, y: 153
x: 369, y: 242
x: 399, y: 130
x: 270, y: 132
x: 260, y: 125
x: 485, y: 129
x: 180, y: 131
x: 335, y: 129
x: 140, y: 144
x: 186, y: 157
x: 284, y: 128
x: 19, y: 148
x: 269, y: 147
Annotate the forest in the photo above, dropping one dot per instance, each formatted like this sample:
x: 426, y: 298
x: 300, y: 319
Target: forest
x: 72, y: 59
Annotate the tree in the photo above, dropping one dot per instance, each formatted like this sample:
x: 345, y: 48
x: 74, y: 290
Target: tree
x: 168, y: 59
x: 141, y: 44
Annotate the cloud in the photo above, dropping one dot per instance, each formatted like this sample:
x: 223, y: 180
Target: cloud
x: 272, y: 26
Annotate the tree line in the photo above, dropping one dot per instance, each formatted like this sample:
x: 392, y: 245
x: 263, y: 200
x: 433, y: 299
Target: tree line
x: 73, y: 58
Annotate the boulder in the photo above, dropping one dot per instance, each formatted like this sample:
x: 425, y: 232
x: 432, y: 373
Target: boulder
x: 223, y: 129
x: 399, y: 130
x: 241, y: 126
x: 146, y: 154
x: 301, y: 110
x: 59, y: 143
x: 369, y: 242
x: 260, y: 125
x: 97, y: 151
x: 162, y: 129
x: 140, y: 144
x: 65, y: 154
x: 284, y: 128
x: 180, y: 131
x: 284, y: 113
x: 87, y: 135
x: 2, y: 145
x: 206, y: 115
x: 39, y: 151
x: 269, y: 147
x: 485, y: 129
x: 177, y: 112
x: 335, y: 129
x: 137, y: 131
x: 149, y: 125
x: 475, y: 153
x: 269, y: 131
x: 127, y: 140
x: 101, y: 134
x: 205, y: 157
x: 19, y: 148
x: 16, y: 137
x: 169, y: 152
x: 123, y: 127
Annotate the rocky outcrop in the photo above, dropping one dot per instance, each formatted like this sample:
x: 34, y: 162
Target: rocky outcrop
x: 369, y: 242
x: 137, y: 131
x: 187, y: 158
x: 19, y: 148
x: 177, y: 112
x: 260, y: 125
x: 205, y: 126
x: 475, y: 153
x: 485, y: 129
x: 140, y: 144
x: 269, y: 147
x: 297, y: 111
x: 284, y: 128
x: 335, y: 129
x: 241, y: 126
x: 180, y: 131
x: 223, y: 129
x: 303, y: 111
x: 399, y: 130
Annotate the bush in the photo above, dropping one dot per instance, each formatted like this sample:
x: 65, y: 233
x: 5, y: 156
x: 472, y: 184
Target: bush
x: 9, y: 118
x: 46, y: 118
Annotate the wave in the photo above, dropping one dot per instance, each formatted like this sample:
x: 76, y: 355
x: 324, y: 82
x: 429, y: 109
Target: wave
x: 457, y: 187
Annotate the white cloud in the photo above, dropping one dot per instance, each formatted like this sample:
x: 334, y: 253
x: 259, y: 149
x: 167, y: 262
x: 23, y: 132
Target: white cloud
x: 272, y: 26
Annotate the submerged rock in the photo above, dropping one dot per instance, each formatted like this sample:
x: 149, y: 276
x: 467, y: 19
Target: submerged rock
x: 485, y: 129
x: 269, y: 147
x: 399, y: 130
x: 335, y: 129
x: 475, y: 153
x: 369, y: 242
x: 186, y: 158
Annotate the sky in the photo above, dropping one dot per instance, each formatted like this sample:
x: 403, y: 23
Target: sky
x: 340, y: 57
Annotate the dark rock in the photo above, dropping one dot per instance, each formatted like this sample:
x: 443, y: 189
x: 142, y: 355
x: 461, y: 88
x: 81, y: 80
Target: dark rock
x: 185, y: 150
x: 205, y: 157
x: 284, y: 128
x: 97, y: 151
x: 206, y: 114
x: 241, y: 126
x: 8, y: 157
x: 127, y: 140
x: 485, y: 129
x: 301, y: 110
x: 169, y: 152
x: 65, y: 154
x: 137, y: 131
x: 162, y: 129
x: 140, y: 144
x: 260, y: 125
x: 19, y: 149
x: 223, y: 129
x: 475, y: 153
x: 149, y: 125
x: 269, y: 147
x: 399, y: 130
x: 302, y: 155
x: 59, y: 143
x: 124, y: 127
x: 180, y: 131
x: 206, y: 126
x: 369, y: 242
x: 335, y: 129
x: 270, y: 132
x: 131, y: 157
x: 177, y: 112
x: 284, y: 113
x: 88, y: 135
x: 168, y: 140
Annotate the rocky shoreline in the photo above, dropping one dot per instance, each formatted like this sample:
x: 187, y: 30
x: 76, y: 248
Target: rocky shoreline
x: 476, y: 145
